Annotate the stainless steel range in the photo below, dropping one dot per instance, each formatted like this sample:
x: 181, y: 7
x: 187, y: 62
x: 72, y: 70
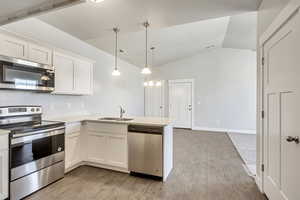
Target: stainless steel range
x: 36, y: 149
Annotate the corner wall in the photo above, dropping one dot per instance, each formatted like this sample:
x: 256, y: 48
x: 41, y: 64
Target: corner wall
x: 225, y: 87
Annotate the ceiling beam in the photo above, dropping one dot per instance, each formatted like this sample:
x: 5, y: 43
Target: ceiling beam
x: 38, y: 10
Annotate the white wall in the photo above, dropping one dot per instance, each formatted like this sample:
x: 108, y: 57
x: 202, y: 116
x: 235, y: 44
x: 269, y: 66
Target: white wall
x: 109, y: 92
x: 225, y: 87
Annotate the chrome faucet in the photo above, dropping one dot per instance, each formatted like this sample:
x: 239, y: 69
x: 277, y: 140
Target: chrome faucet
x: 122, y: 112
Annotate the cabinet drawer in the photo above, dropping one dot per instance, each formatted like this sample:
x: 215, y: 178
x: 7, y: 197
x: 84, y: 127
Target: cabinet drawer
x: 113, y: 128
x: 73, y: 134
x: 4, y: 141
x: 73, y: 127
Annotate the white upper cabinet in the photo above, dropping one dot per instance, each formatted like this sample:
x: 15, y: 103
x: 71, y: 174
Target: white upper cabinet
x: 64, y: 73
x: 13, y: 47
x: 83, y: 72
x: 73, y: 75
x: 39, y: 54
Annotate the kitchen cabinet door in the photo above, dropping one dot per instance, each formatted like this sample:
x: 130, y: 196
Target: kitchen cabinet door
x: 13, y: 47
x: 4, y: 174
x: 73, y: 150
x: 117, y: 151
x: 97, y: 148
x: 39, y: 54
x: 83, y: 77
x: 64, y: 73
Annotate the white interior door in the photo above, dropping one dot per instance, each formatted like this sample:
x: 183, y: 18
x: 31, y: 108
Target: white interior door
x: 180, y: 103
x: 282, y: 112
x: 154, y: 101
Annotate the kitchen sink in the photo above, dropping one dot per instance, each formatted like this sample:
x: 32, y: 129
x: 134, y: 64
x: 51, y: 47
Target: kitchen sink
x: 115, y: 119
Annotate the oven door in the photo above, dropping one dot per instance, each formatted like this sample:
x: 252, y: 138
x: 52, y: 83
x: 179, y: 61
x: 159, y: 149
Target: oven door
x: 34, y: 152
x: 21, y: 77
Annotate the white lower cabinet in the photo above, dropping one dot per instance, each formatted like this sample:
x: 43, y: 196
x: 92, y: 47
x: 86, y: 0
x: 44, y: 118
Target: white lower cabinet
x: 107, y: 144
x: 95, y: 143
x: 73, y: 144
x: 117, y: 150
x: 72, y: 150
x: 4, y: 174
x: 96, y: 148
x: 4, y: 167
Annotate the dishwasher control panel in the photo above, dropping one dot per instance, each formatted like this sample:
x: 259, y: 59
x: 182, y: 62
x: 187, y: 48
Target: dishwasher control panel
x: 146, y: 129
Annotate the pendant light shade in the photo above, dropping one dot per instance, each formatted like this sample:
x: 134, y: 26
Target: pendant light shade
x: 116, y: 71
x: 146, y: 69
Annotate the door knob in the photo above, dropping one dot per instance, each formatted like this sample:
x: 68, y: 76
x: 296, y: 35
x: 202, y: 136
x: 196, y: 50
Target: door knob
x: 293, y: 139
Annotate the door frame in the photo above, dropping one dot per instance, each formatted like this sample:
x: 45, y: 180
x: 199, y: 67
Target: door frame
x: 192, y: 81
x: 292, y: 7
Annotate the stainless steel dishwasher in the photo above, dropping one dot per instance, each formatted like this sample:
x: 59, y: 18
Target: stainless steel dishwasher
x: 145, y: 149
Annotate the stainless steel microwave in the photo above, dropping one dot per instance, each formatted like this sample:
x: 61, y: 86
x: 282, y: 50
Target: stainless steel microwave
x: 18, y: 74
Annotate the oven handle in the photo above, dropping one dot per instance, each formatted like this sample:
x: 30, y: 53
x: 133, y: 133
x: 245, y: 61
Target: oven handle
x: 28, y: 137
x: 37, y: 132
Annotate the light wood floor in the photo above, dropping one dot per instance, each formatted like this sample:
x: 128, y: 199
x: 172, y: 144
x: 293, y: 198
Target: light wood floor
x: 206, y: 167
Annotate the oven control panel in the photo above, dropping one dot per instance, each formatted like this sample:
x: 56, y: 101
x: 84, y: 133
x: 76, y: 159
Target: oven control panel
x: 19, y: 110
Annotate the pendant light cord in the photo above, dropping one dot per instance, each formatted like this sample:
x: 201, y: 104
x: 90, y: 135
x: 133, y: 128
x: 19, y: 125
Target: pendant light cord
x: 116, y: 48
x: 146, y: 24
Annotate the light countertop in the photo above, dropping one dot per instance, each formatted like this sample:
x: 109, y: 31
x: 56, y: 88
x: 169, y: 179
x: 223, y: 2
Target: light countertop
x: 3, y: 132
x: 155, y: 121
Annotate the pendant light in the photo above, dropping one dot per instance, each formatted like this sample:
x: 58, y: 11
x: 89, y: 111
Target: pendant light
x: 116, y: 72
x: 146, y: 69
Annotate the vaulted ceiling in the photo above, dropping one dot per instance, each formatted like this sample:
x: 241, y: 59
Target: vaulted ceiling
x: 178, y: 28
x: 171, y: 43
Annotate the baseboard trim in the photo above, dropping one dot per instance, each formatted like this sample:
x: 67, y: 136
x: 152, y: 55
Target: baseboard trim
x: 67, y: 170
x: 258, y: 182
x: 103, y: 166
x: 92, y: 164
x: 196, y: 128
